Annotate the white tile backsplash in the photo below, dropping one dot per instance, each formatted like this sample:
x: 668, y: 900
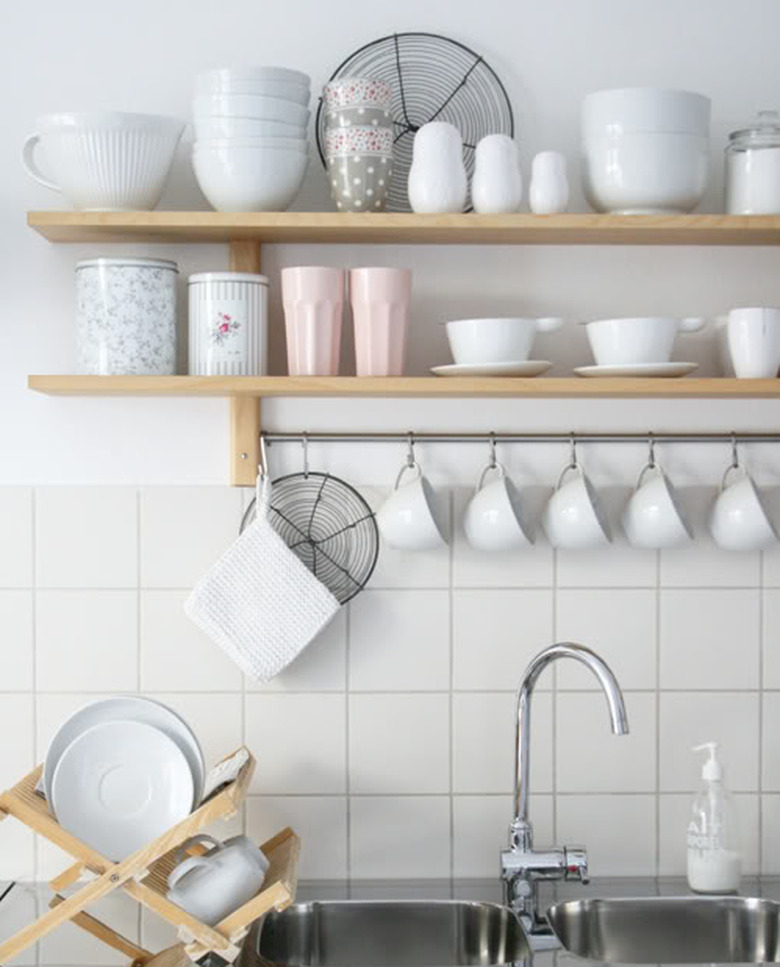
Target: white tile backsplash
x: 389, y: 743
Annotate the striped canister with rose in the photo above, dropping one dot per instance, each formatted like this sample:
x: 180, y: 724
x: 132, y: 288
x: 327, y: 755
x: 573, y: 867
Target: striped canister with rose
x: 228, y: 324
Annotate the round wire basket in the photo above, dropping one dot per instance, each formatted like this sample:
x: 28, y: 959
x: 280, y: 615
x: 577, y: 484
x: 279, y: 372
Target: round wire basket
x: 433, y: 78
x: 328, y: 525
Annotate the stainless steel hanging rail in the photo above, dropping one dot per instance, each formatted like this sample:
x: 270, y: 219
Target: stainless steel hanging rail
x: 271, y: 438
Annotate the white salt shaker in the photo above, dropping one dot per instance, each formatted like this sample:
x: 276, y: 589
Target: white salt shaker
x: 437, y: 178
x: 549, y: 191
x: 497, y: 186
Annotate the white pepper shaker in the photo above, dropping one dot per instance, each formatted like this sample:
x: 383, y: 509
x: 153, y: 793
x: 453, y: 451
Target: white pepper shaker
x: 437, y: 178
x: 497, y: 185
x: 549, y: 192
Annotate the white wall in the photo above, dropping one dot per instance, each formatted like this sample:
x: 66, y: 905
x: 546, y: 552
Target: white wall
x: 142, y: 56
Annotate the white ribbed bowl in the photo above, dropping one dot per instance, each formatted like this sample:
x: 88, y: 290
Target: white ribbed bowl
x: 244, y: 178
x: 105, y: 161
x: 284, y: 90
x: 232, y: 78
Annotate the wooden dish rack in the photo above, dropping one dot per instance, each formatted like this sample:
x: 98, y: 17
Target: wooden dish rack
x: 143, y: 874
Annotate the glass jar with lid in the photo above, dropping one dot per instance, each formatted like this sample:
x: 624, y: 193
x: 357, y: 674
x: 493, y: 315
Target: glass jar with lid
x: 753, y: 167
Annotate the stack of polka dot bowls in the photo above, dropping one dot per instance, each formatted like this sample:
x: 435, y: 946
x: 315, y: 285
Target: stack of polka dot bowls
x: 358, y: 142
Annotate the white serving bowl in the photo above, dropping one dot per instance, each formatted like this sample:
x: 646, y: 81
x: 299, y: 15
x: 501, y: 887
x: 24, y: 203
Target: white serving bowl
x: 240, y: 178
x: 300, y: 145
x: 636, y: 340
x: 218, y: 127
x: 284, y: 90
x: 250, y: 106
x: 645, y: 109
x: 105, y: 160
x: 644, y: 173
x: 226, y: 78
x: 500, y: 340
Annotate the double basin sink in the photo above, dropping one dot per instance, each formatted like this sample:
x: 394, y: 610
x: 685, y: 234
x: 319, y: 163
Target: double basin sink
x: 443, y: 933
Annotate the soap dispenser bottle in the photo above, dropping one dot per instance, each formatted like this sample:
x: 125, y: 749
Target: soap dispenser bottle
x: 714, y: 860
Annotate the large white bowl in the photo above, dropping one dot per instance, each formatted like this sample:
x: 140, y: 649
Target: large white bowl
x: 498, y: 340
x: 219, y: 127
x: 291, y: 144
x: 645, y: 109
x: 637, y: 339
x: 285, y: 90
x: 645, y: 173
x: 224, y: 78
x: 249, y: 106
x: 248, y: 179
x: 105, y: 160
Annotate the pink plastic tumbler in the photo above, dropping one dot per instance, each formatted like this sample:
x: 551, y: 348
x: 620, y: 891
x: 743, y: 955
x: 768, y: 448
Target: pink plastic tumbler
x: 313, y: 299
x: 381, y: 302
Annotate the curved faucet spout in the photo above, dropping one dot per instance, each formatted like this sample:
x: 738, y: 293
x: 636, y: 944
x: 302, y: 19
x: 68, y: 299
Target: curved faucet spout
x: 521, y: 827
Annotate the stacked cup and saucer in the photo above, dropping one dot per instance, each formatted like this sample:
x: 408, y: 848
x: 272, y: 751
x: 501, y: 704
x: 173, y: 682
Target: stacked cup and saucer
x: 637, y: 346
x: 495, y: 347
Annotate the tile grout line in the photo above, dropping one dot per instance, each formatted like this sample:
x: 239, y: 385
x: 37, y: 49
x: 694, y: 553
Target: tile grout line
x: 761, y: 619
x: 451, y: 696
x: 554, y: 723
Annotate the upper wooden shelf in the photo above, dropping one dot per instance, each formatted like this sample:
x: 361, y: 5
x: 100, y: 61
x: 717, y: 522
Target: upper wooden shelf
x: 408, y: 386
x: 469, y: 229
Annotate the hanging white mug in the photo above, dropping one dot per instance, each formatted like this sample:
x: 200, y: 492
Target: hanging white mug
x: 573, y: 518
x: 409, y: 519
x: 654, y: 518
x: 493, y: 520
x: 738, y: 519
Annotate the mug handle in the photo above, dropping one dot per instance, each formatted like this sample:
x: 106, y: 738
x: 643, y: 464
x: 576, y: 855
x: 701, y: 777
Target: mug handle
x: 499, y: 468
x: 414, y: 467
x: 571, y: 466
x: 181, y: 852
x: 549, y: 323
x: 28, y: 160
x: 692, y: 324
x: 728, y: 470
x: 643, y: 472
x: 192, y: 863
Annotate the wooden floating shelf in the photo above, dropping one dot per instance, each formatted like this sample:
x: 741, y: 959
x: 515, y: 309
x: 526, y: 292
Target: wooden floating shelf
x: 256, y: 387
x: 408, y: 229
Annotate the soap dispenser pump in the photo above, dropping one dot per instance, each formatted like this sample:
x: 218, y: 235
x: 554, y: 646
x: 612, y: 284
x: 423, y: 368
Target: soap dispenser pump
x: 714, y: 860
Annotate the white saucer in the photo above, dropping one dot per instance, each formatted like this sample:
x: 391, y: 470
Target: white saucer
x: 127, y: 708
x: 638, y: 369
x: 120, y: 785
x: 526, y: 367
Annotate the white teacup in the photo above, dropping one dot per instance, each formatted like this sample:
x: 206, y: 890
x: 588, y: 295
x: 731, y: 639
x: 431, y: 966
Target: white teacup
x: 493, y: 520
x: 738, y: 519
x: 409, y: 519
x: 573, y: 518
x: 653, y: 518
x: 754, y: 342
x: 211, y: 886
x: 500, y: 340
x: 636, y: 340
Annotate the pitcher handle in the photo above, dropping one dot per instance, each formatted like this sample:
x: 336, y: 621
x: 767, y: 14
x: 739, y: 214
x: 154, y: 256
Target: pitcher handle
x: 28, y: 160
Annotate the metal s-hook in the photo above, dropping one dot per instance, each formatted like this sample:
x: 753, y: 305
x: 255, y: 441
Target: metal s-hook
x: 410, y: 461
x: 492, y: 463
x: 573, y: 452
x: 734, y: 452
x: 305, y: 446
x: 262, y: 467
x: 651, y: 450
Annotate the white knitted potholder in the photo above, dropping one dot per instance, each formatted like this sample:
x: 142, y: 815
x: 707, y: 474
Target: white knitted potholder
x: 259, y: 603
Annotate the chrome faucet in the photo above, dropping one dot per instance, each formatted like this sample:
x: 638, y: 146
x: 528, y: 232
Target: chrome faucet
x: 523, y: 867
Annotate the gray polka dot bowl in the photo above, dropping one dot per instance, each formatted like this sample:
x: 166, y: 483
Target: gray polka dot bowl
x: 359, y: 182
x: 363, y: 114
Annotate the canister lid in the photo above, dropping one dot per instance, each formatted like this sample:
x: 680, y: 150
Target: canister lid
x: 139, y: 262
x: 228, y: 277
x: 764, y: 133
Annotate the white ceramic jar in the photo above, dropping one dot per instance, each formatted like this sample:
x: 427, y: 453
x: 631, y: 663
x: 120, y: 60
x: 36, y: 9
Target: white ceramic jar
x: 497, y: 185
x: 228, y: 324
x: 126, y: 317
x: 437, y: 178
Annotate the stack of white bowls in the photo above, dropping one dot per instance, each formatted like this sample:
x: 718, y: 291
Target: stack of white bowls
x: 251, y: 148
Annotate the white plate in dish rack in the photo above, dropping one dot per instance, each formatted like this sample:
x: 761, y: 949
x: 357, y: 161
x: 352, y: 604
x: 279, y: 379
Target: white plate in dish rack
x: 526, y: 367
x: 127, y: 708
x: 120, y: 785
x: 639, y: 369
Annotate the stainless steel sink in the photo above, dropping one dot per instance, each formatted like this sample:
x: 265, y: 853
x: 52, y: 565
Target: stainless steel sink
x: 405, y: 933
x: 671, y: 930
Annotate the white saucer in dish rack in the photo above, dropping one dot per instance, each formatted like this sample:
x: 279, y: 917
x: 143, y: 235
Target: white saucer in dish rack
x: 526, y: 367
x: 639, y: 369
x: 127, y: 708
x: 120, y: 785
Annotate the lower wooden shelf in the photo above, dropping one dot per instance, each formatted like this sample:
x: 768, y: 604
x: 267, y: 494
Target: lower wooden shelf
x: 409, y: 386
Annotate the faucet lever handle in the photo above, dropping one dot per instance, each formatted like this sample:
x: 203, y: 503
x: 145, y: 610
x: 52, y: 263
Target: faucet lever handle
x: 576, y: 862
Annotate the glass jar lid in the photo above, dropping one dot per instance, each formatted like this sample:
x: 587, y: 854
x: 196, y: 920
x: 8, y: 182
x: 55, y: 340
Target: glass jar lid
x: 765, y: 133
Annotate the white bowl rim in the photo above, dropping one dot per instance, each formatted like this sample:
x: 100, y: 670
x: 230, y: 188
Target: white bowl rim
x: 242, y: 144
x: 648, y: 89
x: 70, y: 119
x: 259, y: 72
x: 629, y: 319
x: 482, y: 319
x: 261, y: 97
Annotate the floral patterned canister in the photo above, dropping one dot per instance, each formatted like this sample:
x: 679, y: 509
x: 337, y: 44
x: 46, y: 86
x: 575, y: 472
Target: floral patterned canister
x: 228, y: 324
x: 126, y: 317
